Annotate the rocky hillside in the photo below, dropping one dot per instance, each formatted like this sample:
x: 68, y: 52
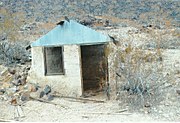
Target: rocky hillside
x: 25, y: 21
x: 141, y: 11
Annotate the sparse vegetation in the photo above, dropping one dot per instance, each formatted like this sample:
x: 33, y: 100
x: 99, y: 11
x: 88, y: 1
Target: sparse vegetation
x: 141, y: 76
x: 144, y: 64
x: 13, y: 53
x: 140, y: 71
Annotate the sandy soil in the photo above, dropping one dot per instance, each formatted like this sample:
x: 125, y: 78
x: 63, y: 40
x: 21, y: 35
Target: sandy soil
x: 74, y: 111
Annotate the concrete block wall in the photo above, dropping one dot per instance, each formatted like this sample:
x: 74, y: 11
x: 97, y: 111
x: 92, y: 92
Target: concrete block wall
x: 68, y: 84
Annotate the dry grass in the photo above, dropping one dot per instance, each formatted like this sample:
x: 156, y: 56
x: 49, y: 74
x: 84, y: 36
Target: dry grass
x: 140, y: 76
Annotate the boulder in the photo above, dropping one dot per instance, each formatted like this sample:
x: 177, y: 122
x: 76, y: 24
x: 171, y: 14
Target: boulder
x: 50, y: 97
x: 47, y: 89
x: 11, y: 71
x: 2, y: 91
x: 25, y: 96
x: 33, y: 88
x: 178, y: 92
x: 34, y: 94
x: 41, y: 94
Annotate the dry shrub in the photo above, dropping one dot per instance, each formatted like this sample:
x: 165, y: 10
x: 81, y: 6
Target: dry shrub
x: 13, y: 52
x: 140, y: 76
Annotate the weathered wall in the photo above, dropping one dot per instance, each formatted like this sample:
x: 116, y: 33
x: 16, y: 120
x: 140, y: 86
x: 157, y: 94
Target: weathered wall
x: 68, y: 84
x: 112, y: 69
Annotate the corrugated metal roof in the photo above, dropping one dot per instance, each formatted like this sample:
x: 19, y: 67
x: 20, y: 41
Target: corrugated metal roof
x: 71, y: 33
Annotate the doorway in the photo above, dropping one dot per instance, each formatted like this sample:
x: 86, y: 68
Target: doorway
x: 94, y: 67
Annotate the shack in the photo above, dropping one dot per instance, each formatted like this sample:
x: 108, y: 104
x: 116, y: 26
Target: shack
x: 70, y: 58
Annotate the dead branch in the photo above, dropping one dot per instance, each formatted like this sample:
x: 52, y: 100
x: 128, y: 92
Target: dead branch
x: 118, y: 75
x: 76, y: 98
x: 110, y: 113
x: 45, y: 101
x: 4, y: 120
x: 123, y: 110
x: 156, y: 87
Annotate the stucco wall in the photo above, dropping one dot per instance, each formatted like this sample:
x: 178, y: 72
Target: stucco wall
x: 68, y: 84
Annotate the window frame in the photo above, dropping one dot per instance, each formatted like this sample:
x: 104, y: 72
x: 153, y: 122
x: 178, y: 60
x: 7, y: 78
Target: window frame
x: 45, y: 61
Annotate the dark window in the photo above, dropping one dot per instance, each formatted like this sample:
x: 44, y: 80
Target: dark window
x: 53, y: 60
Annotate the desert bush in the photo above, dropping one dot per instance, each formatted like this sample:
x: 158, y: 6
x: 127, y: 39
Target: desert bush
x: 13, y: 53
x: 141, y: 72
x: 140, y: 76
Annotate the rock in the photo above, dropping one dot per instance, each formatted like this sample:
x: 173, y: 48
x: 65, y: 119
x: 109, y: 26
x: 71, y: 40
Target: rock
x: 33, y: 88
x: 146, y: 112
x: 13, y: 101
x: 19, y: 80
x: 26, y: 28
x: 47, y: 89
x: 25, y: 96
x: 28, y: 68
x: 2, y: 91
x: 34, y: 94
x: 86, y: 22
x: 50, y: 97
x: 26, y: 87
x: 147, y: 105
x: 178, y: 92
x: 16, y: 82
x: 11, y: 71
x: 41, y: 94
x: 22, y: 81
x: 3, y: 36
x: 4, y: 97
x: 17, y: 76
x: 22, y: 62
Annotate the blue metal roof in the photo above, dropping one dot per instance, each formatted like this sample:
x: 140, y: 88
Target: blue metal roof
x: 71, y: 33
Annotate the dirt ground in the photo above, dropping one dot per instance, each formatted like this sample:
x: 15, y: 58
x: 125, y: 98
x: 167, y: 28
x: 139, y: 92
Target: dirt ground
x: 73, y: 111
x: 79, y: 111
